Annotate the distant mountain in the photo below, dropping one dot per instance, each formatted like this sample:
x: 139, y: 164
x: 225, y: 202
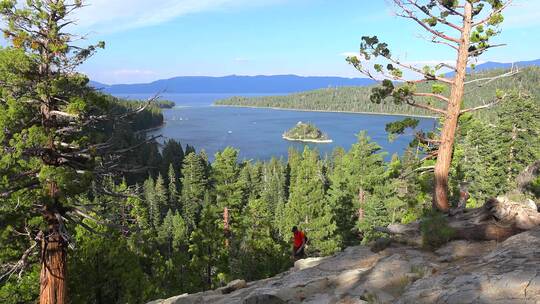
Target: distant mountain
x: 260, y: 84
x: 234, y: 84
x: 498, y: 65
x: 98, y: 85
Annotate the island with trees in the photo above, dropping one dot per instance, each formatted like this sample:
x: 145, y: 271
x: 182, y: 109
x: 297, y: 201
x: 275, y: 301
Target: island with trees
x: 306, y: 132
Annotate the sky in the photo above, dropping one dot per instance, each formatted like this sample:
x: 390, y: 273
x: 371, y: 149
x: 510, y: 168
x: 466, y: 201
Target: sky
x: 149, y: 40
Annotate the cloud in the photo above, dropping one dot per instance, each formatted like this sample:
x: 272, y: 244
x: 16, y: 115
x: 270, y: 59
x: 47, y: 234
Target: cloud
x: 117, y: 15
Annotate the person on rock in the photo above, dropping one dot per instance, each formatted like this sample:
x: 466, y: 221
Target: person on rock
x: 299, y: 243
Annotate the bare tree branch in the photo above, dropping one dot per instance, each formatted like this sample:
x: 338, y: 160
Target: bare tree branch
x: 485, y: 106
x: 486, y: 80
x: 438, y: 96
x: 434, y: 40
x: 21, y: 265
x: 426, y: 107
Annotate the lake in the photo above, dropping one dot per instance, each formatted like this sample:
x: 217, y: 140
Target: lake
x: 257, y: 132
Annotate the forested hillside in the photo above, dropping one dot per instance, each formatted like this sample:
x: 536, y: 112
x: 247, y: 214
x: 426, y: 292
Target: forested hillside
x: 170, y: 235
x: 357, y: 99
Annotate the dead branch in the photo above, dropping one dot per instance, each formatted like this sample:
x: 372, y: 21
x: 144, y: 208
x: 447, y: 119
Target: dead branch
x: 438, y: 96
x: 513, y: 71
x: 526, y: 177
x: 22, y: 264
x: 485, y: 106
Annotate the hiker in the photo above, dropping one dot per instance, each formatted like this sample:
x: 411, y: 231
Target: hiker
x: 299, y: 245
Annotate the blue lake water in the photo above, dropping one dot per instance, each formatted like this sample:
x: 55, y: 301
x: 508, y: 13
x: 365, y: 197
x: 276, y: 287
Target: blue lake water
x: 257, y: 132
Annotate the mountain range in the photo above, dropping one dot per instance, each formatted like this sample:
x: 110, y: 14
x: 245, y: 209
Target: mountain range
x: 259, y: 84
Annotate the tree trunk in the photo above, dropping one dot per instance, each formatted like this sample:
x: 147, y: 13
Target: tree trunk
x: 53, y: 288
x: 444, y: 156
x: 498, y: 219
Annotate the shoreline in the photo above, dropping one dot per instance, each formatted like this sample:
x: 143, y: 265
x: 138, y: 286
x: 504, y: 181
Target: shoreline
x: 317, y: 141
x: 326, y: 111
x: 153, y: 128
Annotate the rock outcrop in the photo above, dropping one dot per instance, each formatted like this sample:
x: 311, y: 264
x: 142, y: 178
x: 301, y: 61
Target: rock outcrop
x: 460, y: 272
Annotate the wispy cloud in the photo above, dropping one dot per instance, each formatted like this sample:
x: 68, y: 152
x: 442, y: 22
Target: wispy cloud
x: 117, y: 15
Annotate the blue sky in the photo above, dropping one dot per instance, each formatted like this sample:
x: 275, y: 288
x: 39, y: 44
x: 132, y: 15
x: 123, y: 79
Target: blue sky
x: 150, y: 40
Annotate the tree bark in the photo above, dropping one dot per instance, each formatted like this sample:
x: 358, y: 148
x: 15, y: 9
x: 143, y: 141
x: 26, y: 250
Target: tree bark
x: 444, y: 156
x: 53, y: 287
x: 498, y: 219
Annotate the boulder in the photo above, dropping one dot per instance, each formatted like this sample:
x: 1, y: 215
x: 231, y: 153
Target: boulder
x: 472, y: 272
x: 508, y: 274
x: 307, y: 263
x: 232, y: 286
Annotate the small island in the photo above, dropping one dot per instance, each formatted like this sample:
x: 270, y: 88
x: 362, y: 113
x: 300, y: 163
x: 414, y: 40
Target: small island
x: 306, y: 132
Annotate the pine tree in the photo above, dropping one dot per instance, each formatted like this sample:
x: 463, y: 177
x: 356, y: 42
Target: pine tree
x: 48, y: 116
x: 189, y: 149
x: 194, y: 186
x: 262, y: 253
x: 274, y: 184
x: 375, y: 213
x: 172, y: 155
x: 366, y: 164
x: 307, y: 207
x: 495, y: 152
x: 160, y: 202
x: 209, y: 258
x: 474, y: 25
x: 340, y: 199
x: 225, y: 177
x: 149, y: 207
x: 174, y: 198
x: 173, y: 235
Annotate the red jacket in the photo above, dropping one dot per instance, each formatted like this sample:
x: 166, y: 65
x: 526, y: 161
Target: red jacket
x: 298, y: 238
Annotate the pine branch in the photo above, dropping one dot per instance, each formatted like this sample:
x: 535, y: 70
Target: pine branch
x: 495, y: 12
x: 411, y: 15
x: 479, y: 51
x: 450, y: 10
x: 441, y: 20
